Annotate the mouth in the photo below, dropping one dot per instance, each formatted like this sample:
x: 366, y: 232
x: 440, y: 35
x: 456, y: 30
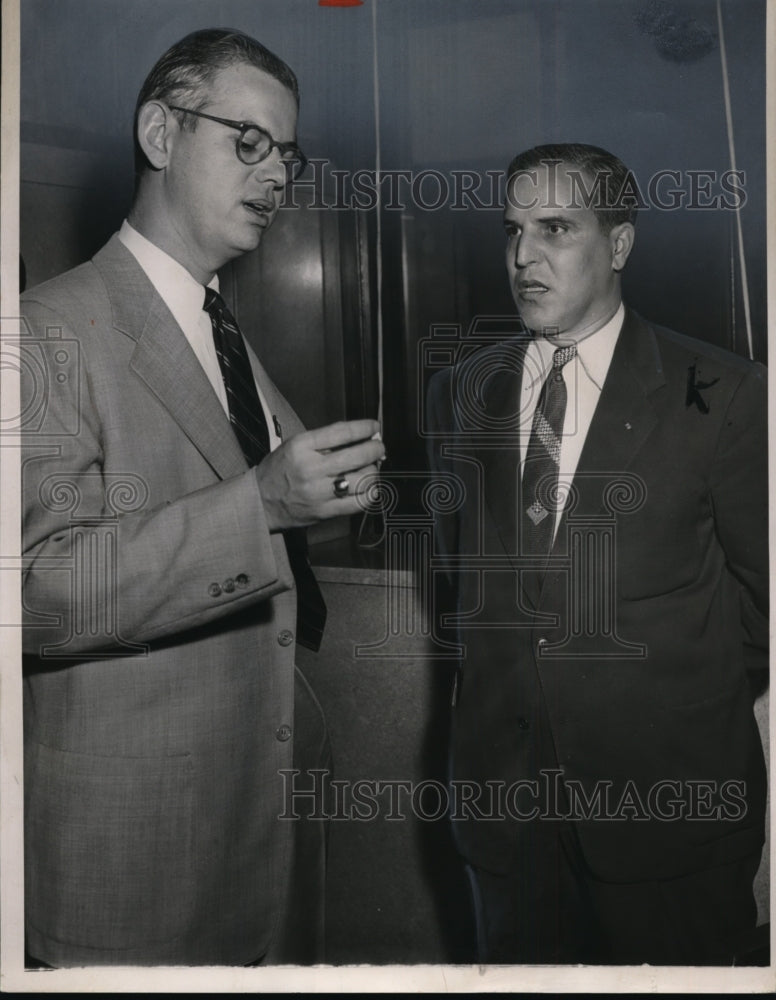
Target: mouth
x: 261, y: 210
x: 530, y: 290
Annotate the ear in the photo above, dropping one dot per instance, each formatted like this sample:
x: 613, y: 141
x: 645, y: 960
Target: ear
x: 621, y: 240
x: 156, y: 127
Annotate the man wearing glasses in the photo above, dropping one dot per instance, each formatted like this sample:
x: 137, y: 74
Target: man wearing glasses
x: 166, y: 584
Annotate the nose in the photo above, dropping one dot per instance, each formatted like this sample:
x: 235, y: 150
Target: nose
x: 272, y: 169
x: 524, y: 250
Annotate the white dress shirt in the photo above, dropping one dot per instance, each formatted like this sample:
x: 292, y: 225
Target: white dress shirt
x: 185, y: 298
x: 584, y: 377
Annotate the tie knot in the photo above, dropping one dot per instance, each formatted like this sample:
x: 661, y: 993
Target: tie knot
x: 563, y: 355
x: 213, y: 302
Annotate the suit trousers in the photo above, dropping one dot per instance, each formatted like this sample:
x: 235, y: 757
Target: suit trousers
x: 549, y: 909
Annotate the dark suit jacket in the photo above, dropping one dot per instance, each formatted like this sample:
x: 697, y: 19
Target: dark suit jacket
x: 159, y: 618
x: 627, y: 669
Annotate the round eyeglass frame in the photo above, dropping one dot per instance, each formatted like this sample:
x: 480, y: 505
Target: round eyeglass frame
x: 294, y: 167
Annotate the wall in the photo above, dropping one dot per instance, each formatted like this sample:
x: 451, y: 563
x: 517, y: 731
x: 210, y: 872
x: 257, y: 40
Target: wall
x: 461, y: 85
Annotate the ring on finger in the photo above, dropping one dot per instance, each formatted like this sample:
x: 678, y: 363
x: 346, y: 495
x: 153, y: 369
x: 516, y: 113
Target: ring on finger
x: 341, y: 487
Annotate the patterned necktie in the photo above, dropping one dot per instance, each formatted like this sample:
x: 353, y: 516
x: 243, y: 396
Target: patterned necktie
x: 246, y: 415
x: 540, y: 471
x: 245, y: 410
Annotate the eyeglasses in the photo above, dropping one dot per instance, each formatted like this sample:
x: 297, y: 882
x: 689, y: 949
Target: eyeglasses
x: 254, y: 144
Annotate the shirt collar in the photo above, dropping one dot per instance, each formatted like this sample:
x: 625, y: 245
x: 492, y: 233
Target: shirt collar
x: 182, y: 293
x: 594, y: 352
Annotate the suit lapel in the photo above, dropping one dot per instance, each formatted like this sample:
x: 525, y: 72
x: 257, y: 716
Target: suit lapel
x: 623, y: 419
x: 165, y: 361
x: 622, y: 422
x: 286, y: 421
x: 501, y: 458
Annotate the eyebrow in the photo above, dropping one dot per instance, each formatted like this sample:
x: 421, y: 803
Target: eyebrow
x: 547, y: 220
x: 562, y: 220
x: 240, y: 121
x: 249, y: 122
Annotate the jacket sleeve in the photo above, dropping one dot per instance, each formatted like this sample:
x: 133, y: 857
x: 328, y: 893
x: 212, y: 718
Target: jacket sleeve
x: 739, y: 490
x: 101, y: 567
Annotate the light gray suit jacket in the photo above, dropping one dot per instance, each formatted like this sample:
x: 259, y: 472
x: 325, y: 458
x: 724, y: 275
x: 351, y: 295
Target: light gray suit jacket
x: 159, y: 620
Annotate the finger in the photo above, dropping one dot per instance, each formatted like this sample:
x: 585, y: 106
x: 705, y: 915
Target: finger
x: 362, y: 485
x: 354, y: 457
x: 359, y: 482
x: 345, y: 507
x: 341, y: 434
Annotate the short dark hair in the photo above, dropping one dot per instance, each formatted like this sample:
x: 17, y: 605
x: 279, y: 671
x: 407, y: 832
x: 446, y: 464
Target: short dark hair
x: 614, y: 188
x: 183, y: 74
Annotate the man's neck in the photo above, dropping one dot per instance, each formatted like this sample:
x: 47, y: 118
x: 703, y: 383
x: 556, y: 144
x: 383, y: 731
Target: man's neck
x: 149, y: 217
x: 577, y: 336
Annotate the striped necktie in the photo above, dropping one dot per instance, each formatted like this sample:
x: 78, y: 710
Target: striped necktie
x: 540, y: 471
x: 246, y: 415
x: 245, y: 410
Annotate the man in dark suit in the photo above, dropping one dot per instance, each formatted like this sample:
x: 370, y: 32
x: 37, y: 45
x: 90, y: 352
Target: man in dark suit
x: 166, y: 487
x: 609, y: 565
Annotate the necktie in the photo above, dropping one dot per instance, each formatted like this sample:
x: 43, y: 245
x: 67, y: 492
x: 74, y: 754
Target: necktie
x: 540, y: 471
x: 250, y: 427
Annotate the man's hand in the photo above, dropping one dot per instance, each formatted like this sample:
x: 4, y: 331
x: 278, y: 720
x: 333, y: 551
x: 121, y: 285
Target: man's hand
x: 296, y: 480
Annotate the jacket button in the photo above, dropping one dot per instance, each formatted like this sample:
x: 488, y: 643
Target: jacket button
x: 241, y: 580
x: 228, y: 585
x: 285, y: 637
x: 283, y: 733
x: 214, y: 590
x: 541, y: 644
x: 523, y: 723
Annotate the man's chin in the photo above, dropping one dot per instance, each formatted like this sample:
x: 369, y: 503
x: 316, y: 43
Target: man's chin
x: 539, y: 325
x: 248, y: 241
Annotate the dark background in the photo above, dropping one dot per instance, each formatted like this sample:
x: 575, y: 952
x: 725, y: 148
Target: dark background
x: 333, y: 297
